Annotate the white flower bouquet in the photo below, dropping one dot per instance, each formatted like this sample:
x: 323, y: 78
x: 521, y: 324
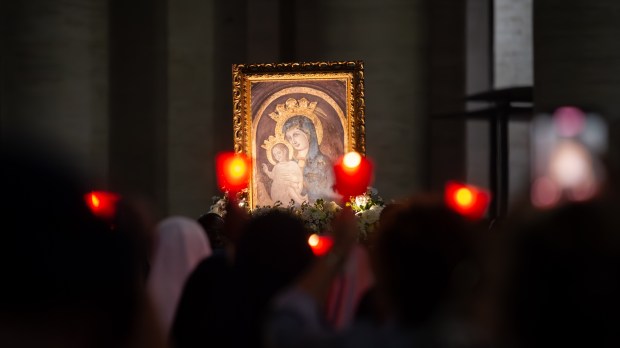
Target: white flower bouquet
x: 317, y: 216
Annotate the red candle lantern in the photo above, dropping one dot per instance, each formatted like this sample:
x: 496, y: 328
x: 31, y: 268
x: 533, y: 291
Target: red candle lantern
x: 233, y: 171
x: 467, y: 200
x: 320, y: 245
x: 102, y: 204
x: 353, y: 174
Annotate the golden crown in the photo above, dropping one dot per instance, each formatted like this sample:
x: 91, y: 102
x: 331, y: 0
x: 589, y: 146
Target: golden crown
x: 293, y: 107
x: 271, y: 141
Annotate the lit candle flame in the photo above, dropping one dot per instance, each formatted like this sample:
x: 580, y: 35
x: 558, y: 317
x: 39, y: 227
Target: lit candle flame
x: 352, y: 159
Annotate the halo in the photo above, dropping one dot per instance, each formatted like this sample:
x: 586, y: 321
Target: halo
x: 293, y: 107
x: 271, y: 141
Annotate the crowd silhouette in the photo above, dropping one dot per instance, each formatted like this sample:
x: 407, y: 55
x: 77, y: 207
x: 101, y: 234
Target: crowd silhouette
x: 428, y: 277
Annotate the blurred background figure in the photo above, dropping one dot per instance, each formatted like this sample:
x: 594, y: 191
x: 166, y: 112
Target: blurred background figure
x: 427, y: 279
x: 224, y: 303
x: 273, y: 252
x: 568, y: 152
x: 348, y: 288
x: 69, y: 279
x: 562, y: 278
x: 213, y: 225
x: 180, y: 245
x: 205, y: 314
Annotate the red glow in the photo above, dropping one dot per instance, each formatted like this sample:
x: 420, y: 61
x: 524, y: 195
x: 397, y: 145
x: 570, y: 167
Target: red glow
x: 320, y: 244
x: 464, y: 197
x: 467, y: 200
x: 95, y: 201
x: 233, y: 171
x: 353, y: 174
x: 102, y: 204
x: 351, y: 161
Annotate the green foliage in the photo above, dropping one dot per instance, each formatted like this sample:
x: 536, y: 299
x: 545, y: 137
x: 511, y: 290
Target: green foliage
x: 317, y: 216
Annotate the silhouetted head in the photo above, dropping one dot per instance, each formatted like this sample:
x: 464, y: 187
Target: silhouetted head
x: 213, y: 224
x: 273, y: 252
x: 424, y: 255
x: 563, y: 278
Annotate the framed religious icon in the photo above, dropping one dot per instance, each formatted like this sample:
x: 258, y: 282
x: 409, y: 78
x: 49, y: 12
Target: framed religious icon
x: 295, y: 120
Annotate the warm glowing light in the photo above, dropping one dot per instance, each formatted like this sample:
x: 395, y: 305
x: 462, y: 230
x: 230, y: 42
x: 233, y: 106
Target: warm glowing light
x: 464, y: 197
x: 352, y: 160
x: 320, y: 245
x: 570, y: 164
x: 233, y: 172
x: 566, y: 163
x: 353, y: 175
x: 467, y: 200
x: 237, y: 167
x: 95, y: 200
x: 313, y: 240
x: 102, y: 204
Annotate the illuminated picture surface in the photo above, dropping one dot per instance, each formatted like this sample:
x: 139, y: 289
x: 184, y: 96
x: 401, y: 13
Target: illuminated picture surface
x: 294, y: 125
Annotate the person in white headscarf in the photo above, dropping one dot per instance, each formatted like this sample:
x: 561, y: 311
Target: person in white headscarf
x: 181, y: 245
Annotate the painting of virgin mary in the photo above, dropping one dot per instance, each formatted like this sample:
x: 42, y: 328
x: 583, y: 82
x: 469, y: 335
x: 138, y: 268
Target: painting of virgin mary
x: 318, y: 178
x: 310, y: 124
x: 295, y: 120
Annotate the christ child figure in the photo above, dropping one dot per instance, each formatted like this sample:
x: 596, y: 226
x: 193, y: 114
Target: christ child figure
x: 287, y: 177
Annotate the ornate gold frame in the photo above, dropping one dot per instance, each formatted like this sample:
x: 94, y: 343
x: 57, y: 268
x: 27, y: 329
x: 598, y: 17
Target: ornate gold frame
x: 246, y: 74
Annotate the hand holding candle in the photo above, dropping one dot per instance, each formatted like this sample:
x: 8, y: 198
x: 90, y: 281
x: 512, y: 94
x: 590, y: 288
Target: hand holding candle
x: 353, y: 174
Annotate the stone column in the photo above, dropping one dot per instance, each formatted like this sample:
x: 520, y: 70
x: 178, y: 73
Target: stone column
x: 139, y: 100
x: 479, y: 79
x: 447, y: 92
x: 499, y: 56
x: 264, y: 31
x: 230, y: 47
x: 191, y: 116
x: 53, y: 82
x: 513, y: 67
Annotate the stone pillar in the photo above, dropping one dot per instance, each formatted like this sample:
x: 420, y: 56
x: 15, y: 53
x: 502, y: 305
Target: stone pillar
x: 264, y: 30
x: 447, y: 92
x: 191, y: 117
x: 139, y: 100
x: 53, y: 82
x: 512, y: 43
x: 391, y: 37
x: 577, y: 59
x: 230, y: 47
x: 513, y: 67
x: 499, y: 56
x: 479, y: 79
